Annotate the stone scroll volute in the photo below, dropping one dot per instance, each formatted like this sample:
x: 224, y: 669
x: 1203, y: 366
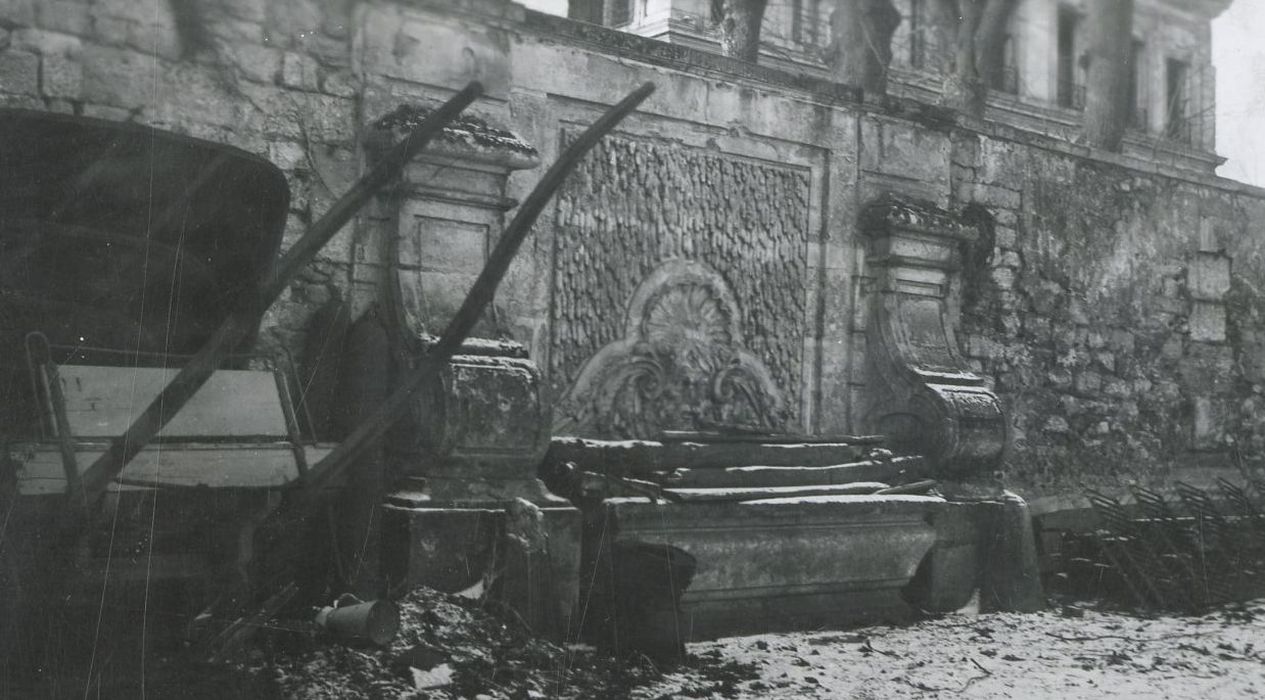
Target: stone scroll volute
x: 920, y: 391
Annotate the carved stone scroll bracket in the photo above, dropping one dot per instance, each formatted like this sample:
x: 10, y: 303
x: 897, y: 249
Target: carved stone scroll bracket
x: 920, y: 391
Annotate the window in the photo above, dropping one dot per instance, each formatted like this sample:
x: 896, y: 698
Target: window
x: 917, y: 26
x: 1176, y: 75
x: 621, y: 12
x: 718, y: 11
x: 1137, y: 78
x: 1067, y: 57
x: 1006, y: 76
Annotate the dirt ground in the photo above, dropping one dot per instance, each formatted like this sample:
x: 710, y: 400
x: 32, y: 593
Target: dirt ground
x: 1063, y: 653
x: 452, y: 648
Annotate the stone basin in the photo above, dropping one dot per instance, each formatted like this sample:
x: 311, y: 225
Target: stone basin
x: 787, y: 563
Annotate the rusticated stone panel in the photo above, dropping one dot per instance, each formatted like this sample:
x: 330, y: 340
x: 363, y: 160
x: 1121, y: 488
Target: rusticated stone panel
x: 635, y: 204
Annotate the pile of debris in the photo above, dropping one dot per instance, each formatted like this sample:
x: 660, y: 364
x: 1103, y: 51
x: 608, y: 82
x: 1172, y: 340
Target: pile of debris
x: 449, y: 646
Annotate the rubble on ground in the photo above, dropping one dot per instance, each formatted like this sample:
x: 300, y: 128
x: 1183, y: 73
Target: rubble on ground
x: 453, y: 647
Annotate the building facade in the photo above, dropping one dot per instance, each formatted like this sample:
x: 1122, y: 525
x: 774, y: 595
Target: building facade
x: 1044, y: 56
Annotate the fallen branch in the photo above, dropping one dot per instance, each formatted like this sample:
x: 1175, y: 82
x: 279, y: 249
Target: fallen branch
x: 1092, y: 638
x: 938, y: 689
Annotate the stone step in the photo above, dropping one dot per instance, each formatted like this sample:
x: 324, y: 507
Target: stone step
x: 741, y: 494
x: 884, y: 470
x: 640, y: 458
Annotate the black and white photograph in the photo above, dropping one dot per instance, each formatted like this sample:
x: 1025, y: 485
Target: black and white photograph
x: 632, y: 349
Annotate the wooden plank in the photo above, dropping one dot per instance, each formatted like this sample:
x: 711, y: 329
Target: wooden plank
x: 101, y: 402
x: 167, y: 465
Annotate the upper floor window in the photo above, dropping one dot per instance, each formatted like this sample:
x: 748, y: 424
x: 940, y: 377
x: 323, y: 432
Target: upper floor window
x: 805, y: 21
x: 1177, y: 121
x: 1006, y: 78
x: 621, y: 12
x: 1069, y: 94
x: 1137, y: 79
x: 917, y: 29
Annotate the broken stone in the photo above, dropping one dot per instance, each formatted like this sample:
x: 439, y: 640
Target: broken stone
x: 436, y: 677
x: 1056, y: 424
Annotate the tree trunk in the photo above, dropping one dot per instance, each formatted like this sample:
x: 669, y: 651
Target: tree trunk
x: 861, y: 34
x: 1107, y: 92
x: 740, y: 28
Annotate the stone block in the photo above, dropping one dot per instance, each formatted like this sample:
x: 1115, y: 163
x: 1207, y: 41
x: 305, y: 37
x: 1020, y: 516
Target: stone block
x: 1209, y: 277
x: 237, y: 31
x: 1008, y: 258
x: 300, y: 71
x: 111, y: 77
x: 1117, y: 388
x: 1212, y: 235
x: 1088, y: 383
x: 950, y: 573
x: 448, y: 549
x: 1011, y: 580
x: 1208, y: 424
x: 19, y: 73
x: 117, y: 114
x: 18, y: 13
x: 251, y: 10
x: 261, y: 64
x: 1172, y: 348
x: 428, y: 50
x: 1207, y: 322
x: 900, y: 149
x: 983, y: 348
x: 1106, y: 360
x: 287, y: 155
x: 61, y: 76
x: 994, y: 196
x: 69, y: 16
x: 1122, y: 341
x: 340, y: 83
x: 43, y: 41
x: 1059, y: 378
x: 785, y: 564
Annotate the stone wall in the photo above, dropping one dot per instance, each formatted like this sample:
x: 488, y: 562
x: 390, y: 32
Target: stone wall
x: 1112, y: 303
x: 1116, y: 312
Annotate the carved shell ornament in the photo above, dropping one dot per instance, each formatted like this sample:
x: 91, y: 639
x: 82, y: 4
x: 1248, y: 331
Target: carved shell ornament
x: 679, y: 366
